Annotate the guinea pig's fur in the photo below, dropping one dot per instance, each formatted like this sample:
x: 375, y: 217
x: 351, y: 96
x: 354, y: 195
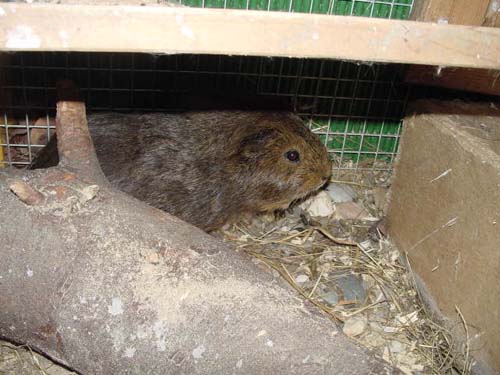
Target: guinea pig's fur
x: 208, y: 168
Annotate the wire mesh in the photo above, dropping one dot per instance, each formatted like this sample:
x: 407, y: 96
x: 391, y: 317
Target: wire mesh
x: 367, y: 8
x: 355, y: 108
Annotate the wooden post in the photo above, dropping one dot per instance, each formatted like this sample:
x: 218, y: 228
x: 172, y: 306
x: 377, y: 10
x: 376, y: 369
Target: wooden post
x: 444, y: 215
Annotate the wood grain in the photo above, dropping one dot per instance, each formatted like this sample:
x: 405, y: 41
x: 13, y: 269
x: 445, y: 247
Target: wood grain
x: 46, y: 27
x: 457, y: 12
x: 476, y: 80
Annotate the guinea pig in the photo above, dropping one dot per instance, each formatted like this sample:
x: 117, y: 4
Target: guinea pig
x: 208, y: 168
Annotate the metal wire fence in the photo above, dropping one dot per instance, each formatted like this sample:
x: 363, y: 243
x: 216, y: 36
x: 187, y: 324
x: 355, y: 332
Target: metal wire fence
x: 356, y: 108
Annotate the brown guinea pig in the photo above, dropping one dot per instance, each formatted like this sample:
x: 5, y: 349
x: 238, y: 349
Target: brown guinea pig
x: 210, y: 167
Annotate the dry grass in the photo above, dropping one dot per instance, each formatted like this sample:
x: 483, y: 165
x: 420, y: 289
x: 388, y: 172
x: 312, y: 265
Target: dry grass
x: 399, y: 326
x: 21, y: 360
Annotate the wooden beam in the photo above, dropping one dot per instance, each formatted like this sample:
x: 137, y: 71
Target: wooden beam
x: 47, y: 27
x: 483, y: 81
x: 463, y: 12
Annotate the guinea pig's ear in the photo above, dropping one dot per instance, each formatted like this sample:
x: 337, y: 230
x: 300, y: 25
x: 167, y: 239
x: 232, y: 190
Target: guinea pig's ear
x: 251, y: 144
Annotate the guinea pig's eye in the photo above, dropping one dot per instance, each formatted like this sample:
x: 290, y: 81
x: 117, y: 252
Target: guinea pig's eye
x: 293, y: 155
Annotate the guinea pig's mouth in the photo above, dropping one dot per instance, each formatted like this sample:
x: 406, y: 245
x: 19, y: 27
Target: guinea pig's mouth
x: 299, y: 198
x: 305, y: 196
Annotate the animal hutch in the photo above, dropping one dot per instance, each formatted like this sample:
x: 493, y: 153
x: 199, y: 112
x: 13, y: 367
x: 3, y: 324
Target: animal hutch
x: 403, y: 94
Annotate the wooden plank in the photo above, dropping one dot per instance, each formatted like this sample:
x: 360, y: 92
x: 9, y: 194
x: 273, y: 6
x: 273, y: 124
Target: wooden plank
x: 463, y: 12
x: 477, y: 80
x: 46, y: 27
x: 458, y: 12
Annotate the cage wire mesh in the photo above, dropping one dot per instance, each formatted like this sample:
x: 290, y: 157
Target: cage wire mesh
x: 399, y: 9
x: 356, y: 108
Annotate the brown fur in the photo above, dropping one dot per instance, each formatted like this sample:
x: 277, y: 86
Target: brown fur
x: 209, y: 168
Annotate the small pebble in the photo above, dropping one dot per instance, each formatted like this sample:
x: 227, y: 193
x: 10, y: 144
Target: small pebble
x: 341, y: 193
x: 355, y: 326
x: 351, y: 287
x: 301, y: 279
x: 331, y: 298
x: 319, y: 205
x: 396, y: 346
x: 352, y: 211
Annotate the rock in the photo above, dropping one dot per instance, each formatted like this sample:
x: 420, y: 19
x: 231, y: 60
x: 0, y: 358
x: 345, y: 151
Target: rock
x: 301, y: 279
x: 352, y: 211
x: 340, y: 193
x: 331, y: 298
x: 351, y: 287
x: 396, y: 346
x: 355, y: 325
x: 319, y: 206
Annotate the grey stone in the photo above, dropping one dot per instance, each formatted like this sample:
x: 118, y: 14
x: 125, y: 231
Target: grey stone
x: 332, y: 298
x: 341, y: 193
x: 352, y: 287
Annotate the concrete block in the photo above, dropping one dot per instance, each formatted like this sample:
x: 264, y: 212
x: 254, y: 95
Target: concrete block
x: 444, y: 212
